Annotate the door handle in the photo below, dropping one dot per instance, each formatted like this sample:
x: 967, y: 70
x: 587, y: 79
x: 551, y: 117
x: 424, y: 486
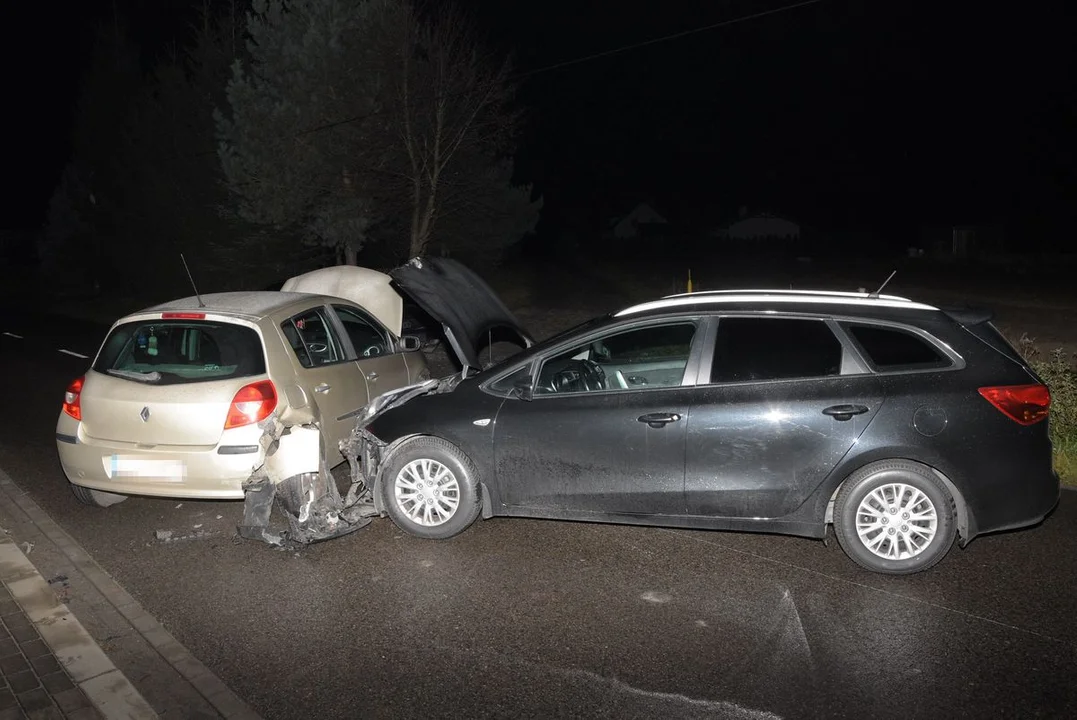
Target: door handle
x: 322, y: 388
x: 844, y: 412
x: 658, y: 420
x: 372, y: 376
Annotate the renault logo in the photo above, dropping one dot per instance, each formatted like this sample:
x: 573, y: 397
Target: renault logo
x: 145, y: 414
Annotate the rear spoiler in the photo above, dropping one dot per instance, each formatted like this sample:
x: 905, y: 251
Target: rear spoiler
x: 969, y: 316
x: 977, y: 321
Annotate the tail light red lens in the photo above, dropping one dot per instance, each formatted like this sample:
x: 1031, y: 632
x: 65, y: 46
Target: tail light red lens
x: 72, y: 398
x: 253, y: 403
x: 1024, y: 404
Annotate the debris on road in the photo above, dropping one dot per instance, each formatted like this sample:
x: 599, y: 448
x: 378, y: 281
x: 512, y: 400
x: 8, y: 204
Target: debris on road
x: 167, y: 536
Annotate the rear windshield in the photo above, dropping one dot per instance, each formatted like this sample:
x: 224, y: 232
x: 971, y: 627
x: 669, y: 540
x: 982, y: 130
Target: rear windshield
x: 167, y: 352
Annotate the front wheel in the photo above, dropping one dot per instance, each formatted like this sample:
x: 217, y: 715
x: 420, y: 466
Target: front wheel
x: 894, y: 517
x: 430, y: 488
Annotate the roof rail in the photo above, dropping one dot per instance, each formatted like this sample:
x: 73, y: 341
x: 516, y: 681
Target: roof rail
x: 768, y: 291
x: 764, y: 297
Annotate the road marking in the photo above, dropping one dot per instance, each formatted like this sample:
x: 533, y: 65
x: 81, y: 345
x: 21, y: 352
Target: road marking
x: 17, y: 337
x: 74, y: 354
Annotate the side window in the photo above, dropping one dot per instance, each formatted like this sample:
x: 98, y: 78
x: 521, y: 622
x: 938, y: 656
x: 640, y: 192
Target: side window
x: 313, y: 339
x: 652, y: 356
x: 888, y: 348
x: 756, y: 349
x: 367, y: 337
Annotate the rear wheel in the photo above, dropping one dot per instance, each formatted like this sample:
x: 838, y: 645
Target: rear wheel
x: 97, y: 498
x: 894, y: 517
x: 430, y: 488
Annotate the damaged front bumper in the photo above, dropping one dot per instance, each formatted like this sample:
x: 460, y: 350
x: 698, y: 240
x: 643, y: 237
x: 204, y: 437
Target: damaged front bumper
x: 295, y: 476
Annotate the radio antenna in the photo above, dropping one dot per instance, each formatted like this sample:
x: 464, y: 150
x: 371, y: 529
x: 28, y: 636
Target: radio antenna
x: 885, y: 283
x: 191, y: 278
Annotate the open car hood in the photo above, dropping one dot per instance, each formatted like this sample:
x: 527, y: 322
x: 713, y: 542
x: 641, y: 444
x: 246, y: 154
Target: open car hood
x: 365, y: 287
x: 469, y: 311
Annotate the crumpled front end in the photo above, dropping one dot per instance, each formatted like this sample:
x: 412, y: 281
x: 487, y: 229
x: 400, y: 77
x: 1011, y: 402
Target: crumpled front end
x: 296, y: 478
x: 363, y: 450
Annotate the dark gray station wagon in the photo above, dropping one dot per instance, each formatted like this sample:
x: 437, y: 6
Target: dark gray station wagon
x: 903, y: 425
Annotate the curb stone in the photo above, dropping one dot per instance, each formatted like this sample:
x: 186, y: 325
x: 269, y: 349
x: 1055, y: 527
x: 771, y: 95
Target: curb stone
x: 214, y: 697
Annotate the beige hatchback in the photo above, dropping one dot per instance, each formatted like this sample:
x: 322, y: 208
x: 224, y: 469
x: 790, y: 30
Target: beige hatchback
x: 182, y: 398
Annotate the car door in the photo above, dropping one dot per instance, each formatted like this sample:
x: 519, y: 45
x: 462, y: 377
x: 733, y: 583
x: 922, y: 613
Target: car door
x: 782, y: 401
x: 588, y: 443
x: 328, y: 374
x: 381, y: 362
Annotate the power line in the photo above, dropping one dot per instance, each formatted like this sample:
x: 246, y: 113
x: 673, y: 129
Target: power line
x: 664, y: 38
x: 596, y: 56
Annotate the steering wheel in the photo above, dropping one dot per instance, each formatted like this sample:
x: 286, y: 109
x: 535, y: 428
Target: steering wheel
x: 372, y: 351
x: 580, y: 375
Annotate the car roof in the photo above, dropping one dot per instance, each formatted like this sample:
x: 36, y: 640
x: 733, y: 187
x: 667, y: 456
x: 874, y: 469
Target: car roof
x: 252, y: 304
x: 778, y: 300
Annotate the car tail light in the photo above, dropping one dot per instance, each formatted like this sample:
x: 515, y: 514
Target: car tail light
x: 1024, y: 404
x: 183, y: 316
x: 72, y: 398
x: 253, y: 403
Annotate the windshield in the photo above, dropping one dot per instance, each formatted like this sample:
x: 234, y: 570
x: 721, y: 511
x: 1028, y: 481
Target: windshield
x: 527, y: 354
x: 168, y: 352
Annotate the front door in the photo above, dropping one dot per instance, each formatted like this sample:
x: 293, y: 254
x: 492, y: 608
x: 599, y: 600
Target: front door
x: 380, y: 360
x: 605, y: 430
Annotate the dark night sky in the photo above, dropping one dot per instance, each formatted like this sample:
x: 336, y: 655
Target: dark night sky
x: 845, y: 111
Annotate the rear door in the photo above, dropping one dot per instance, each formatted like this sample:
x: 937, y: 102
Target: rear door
x: 782, y: 401
x: 328, y: 373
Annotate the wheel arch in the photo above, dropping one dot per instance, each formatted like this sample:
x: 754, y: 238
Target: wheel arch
x: 966, y: 521
x: 387, y: 453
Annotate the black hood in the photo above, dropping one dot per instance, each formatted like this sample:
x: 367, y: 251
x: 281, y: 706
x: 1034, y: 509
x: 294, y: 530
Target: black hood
x: 468, y: 309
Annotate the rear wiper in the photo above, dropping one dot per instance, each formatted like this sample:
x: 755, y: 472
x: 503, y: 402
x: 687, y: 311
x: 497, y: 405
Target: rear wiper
x: 135, y: 375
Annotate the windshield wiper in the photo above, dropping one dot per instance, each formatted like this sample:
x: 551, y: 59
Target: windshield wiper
x: 149, y: 377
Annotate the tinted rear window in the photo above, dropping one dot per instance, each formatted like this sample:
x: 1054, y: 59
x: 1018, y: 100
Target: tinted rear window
x: 166, y: 352
x: 748, y: 349
x: 890, y: 348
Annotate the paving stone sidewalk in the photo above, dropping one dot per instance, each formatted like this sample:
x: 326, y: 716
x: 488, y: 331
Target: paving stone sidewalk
x: 78, y: 645
x: 50, y: 665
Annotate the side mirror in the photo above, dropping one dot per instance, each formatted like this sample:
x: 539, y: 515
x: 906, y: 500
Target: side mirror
x: 522, y: 390
x: 410, y: 343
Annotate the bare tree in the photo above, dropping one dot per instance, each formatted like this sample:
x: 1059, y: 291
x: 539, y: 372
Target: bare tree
x: 455, y: 121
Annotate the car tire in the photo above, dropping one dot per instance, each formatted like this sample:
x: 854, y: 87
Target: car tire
x: 430, y: 488
x: 894, y: 517
x: 96, y: 498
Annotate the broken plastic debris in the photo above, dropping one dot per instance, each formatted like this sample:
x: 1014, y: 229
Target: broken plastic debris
x: 198, y: 526
x: 174, y: 536
x: 180, y: 505
x: 28, y: 547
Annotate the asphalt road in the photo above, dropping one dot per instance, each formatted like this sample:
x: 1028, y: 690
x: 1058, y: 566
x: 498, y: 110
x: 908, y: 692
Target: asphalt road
x: 519, y: 618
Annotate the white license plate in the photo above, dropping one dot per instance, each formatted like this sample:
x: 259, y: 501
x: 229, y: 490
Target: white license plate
x: 135, y: 466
